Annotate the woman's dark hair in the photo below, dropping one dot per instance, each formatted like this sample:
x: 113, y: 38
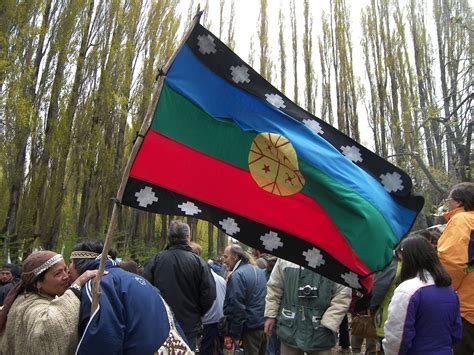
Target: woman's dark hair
x: 113, y: 253
x: 418, y: 255
x: 464, y: 194
x: 16, y: 271
x: 94, y: 246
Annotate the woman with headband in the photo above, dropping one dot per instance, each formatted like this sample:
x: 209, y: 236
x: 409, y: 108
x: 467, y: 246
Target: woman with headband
x: 40, y: 314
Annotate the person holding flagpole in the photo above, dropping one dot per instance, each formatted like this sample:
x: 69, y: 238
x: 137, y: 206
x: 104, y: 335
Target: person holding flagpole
x: 132, y: 317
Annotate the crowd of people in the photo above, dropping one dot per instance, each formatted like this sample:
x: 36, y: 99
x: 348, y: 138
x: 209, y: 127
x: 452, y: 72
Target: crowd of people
x: 178, y: 303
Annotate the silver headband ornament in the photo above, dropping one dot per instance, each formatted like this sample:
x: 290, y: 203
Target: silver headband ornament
x: 83, y: 255
x: 47, y: 264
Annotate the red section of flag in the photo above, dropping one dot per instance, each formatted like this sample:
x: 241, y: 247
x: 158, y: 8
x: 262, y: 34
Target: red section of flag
x: 166, y: 163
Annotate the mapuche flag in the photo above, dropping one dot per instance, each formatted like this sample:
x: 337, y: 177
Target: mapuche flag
x: 225, y: 146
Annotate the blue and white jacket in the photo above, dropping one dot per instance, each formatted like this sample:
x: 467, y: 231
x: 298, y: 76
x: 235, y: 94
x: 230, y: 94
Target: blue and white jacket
x: 422, y: 319
x: 132, y: 317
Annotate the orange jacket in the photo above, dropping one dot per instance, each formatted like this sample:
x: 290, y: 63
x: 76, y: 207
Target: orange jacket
x: 453, y: 254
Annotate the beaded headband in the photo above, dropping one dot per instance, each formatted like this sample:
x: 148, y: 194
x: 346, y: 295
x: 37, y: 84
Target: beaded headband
x: 47, y: 264
x: 83, y: 255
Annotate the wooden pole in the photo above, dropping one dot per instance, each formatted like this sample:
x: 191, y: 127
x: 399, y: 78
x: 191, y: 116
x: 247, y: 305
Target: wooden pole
x: 143, y: 129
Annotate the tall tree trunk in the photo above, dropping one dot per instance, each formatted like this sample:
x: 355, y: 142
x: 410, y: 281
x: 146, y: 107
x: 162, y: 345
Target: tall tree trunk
x: 231, y: 26
x: 210, y: 239
x: 55, y: 154
x: 294, y: 43
x: 165, y: 221
x: 21, y: 118
x: 308, y: 59
x: 193, y: 226
x: 221, y: 242
x: 325, y: 45
x: 150, y: 230
x: 282, y: 52
x: 265, y: 61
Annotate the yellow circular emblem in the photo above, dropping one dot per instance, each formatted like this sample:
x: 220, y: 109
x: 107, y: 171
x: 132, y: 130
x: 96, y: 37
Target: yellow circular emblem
x: 273, y: 164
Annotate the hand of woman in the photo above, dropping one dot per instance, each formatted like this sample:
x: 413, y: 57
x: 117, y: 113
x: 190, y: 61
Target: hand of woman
x: 86, y: 276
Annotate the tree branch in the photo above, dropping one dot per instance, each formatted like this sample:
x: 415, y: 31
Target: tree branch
x: 424, y: 168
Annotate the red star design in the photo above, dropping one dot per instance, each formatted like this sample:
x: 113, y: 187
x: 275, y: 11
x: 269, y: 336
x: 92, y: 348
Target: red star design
x: 289, y: 179
x: 266, y: 168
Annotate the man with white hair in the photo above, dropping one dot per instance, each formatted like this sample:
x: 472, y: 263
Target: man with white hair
x: 244, y: 302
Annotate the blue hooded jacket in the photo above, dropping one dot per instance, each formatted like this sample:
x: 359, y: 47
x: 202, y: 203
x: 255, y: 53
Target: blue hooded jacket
x: 131, y: 317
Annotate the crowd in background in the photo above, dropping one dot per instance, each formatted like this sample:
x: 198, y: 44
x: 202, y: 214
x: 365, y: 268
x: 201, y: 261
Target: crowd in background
x: 178, y: 303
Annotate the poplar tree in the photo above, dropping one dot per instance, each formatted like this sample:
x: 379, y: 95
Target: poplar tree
x: 294, y: 43
x: 23, y: 91
x: 265, y: 61
x: 377, y: 75
x: 325, y: 59
x: 453, y: 21
x: 231, y: 26
x: 282, y: 50
x: 345, y: 80
x: 308, y: 58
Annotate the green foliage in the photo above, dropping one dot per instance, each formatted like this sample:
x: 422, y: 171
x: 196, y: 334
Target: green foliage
x: 77, y: 79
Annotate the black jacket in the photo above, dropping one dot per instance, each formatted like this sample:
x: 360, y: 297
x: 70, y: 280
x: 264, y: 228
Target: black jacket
x: 5, y: 288
x: 185, y: 282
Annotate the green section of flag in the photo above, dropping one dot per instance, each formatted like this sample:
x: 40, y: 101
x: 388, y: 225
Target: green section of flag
x: 359, y: 221
x: 181, y: 120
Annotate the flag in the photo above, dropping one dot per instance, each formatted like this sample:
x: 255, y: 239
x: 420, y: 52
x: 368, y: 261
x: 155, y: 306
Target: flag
x: 225, y: 146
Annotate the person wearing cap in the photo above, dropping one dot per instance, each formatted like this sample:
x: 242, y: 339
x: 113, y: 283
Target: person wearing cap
x: 40, y: 314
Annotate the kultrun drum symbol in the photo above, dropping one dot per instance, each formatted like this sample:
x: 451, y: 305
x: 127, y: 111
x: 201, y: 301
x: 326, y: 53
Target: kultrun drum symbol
x: 273, y: 164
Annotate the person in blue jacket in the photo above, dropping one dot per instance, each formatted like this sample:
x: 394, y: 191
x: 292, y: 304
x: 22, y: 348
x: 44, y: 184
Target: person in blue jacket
x: 244, y: 302
x: 423, y: 315
x: 132, y: 317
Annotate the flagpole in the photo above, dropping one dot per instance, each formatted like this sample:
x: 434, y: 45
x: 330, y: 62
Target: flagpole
x: 138, y: 142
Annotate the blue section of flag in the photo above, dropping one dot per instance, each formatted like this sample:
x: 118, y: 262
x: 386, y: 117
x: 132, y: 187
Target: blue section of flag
x: 217, y: 97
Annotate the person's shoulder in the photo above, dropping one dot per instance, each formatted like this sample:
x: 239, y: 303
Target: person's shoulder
x: 7, y: 286
x: 461, y: 217
x: 132, y: 283
x: 284, y: 264
x: 247, y: 271
x: 244, y: 267
x: 411, y: 286
x: 29, y: 302
x: 162, y: 255
x: 179, y: 248
x: 238, y: 273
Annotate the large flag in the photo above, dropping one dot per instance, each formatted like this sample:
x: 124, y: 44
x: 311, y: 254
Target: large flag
x: 225, y: 146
